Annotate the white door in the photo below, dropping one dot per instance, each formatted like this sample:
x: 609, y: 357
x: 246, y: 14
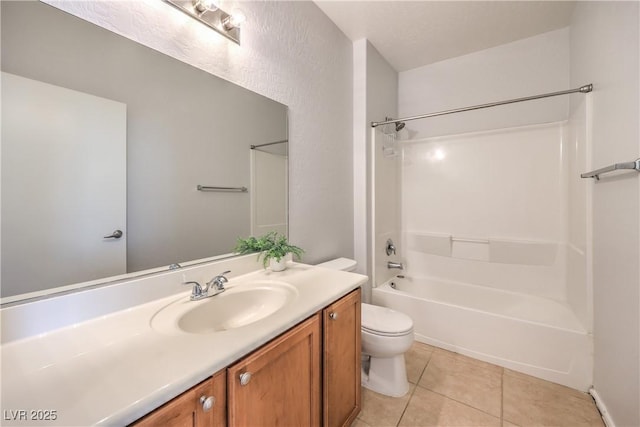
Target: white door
x: 268, y: 193
x: 63, y: 186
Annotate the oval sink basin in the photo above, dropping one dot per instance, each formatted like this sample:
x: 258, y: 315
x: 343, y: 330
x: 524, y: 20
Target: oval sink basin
x: 238, y: 306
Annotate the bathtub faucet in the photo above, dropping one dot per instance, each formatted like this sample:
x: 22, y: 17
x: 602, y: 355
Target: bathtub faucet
x: 398, y: 265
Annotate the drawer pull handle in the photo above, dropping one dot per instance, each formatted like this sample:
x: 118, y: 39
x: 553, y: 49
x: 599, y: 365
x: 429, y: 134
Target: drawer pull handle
x: 207, y: 402
x: 245, y: 377
x: 333, y: 315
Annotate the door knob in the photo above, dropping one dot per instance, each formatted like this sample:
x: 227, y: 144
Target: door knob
x: 115, y: 235
x: 333, y: 315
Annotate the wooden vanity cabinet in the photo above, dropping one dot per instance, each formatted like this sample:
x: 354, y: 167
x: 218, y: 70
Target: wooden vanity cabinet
x: 341, y: 361
x: 191, y: 408
x: 308, y: 376
x: 279, y: 384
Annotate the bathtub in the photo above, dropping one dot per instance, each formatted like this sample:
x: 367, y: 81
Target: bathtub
x: 529, y: 334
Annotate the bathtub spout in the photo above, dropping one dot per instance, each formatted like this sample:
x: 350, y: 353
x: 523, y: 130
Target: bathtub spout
x: 398, y: 265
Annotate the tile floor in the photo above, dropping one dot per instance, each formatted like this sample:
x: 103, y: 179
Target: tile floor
x: 448, y: 389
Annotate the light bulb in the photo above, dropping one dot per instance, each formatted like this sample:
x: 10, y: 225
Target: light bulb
x: 234, y: 20
x: 205, y: 5
x: 237, y: 18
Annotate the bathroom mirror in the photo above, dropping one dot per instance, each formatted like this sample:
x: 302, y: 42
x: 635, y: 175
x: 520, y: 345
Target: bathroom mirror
x: 118, y: 160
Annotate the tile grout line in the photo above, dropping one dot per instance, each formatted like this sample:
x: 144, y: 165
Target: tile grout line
x: 460, y: 402
x: 407, y: 405
x: 415, y: 386
x: 502, y: 370
x: 502, y: 398
x: 504, y: 373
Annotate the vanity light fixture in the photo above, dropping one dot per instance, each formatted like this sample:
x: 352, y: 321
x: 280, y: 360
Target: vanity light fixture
x: 209, y: 13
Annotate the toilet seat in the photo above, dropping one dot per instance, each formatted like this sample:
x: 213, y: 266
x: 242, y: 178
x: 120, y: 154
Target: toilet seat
x: 384, y: 321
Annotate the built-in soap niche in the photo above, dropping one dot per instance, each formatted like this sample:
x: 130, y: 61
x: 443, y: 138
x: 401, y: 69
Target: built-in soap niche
x: 488, y: 249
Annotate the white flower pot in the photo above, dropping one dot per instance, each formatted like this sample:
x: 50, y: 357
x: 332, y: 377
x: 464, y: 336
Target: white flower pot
x: 278, y: 265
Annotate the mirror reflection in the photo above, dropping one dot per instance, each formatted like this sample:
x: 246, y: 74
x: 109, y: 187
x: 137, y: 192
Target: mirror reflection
x: 105, y: 143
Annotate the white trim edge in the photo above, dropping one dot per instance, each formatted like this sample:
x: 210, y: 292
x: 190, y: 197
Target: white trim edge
x: 608, y: 421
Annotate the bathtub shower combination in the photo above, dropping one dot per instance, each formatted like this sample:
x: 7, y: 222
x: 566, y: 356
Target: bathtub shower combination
x: 492, y: 230
x: 526, y: 333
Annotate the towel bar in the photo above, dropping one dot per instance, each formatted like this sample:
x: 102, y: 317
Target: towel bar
x: 617, y: 166
x: 228, y: 189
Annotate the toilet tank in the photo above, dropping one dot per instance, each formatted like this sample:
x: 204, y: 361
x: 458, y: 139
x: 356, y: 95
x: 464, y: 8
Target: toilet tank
x: 344, y: 264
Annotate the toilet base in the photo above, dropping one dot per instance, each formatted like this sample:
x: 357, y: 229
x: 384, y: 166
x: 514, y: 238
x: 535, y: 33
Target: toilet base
x: 387, y: 375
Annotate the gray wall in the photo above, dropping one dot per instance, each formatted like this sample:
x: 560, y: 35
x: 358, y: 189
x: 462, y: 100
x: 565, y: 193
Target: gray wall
x: 290, y: 52
x: 185, y: 127
x: 605, y: 50
x: 530, y: 66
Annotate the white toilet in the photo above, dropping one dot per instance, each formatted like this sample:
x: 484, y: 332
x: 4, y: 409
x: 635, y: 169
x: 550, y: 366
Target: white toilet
x: 386, y: 335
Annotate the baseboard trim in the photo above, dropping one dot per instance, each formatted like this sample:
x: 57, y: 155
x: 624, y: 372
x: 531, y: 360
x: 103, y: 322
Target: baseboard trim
x: 602, y: 408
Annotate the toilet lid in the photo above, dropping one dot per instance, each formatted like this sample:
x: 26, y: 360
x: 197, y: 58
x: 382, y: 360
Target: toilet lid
x: 385, y: 321
x: 344, y: 264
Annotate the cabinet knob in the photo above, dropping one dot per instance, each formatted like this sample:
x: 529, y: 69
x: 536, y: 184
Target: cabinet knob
x: 245, y: 377
x: 207, y: 402
x: 333, y: 315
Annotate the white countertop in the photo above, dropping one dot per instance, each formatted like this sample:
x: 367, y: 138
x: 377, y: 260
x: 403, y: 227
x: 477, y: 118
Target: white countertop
x: 113, y: 369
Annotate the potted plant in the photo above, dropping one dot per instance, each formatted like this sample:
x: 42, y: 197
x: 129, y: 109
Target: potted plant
x: 271, y: 247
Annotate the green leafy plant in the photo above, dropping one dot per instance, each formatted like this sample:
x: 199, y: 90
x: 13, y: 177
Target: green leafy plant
x: 253, y: 244
x: 270, y: 246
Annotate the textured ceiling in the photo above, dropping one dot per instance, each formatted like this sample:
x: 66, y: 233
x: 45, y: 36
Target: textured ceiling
x: 411, y: 34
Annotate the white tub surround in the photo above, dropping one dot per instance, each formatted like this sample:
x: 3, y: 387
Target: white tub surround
x: 496, y: 255
x: 530, y: 334
x: 115, y: 368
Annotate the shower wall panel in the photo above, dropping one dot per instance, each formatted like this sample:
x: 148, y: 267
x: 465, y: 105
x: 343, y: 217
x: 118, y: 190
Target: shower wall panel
x: 498, y: 199
x: 579, y: 212
x: 386, y: 202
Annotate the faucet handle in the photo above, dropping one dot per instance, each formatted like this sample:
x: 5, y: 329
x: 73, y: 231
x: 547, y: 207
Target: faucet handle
x: 197, y: 289
x: 221, y: 277
x: 219, y: 280
x: 390, y: 248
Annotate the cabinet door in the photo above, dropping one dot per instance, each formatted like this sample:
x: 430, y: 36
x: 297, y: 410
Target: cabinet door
x: 216, y: 415
x: 341, y: 380
x: 279, y: 384
x: 201, y: 406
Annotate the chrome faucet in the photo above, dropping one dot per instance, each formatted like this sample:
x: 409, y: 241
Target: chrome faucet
x: 218, y: 282
x: 198, y: 291
x: 216, y: 285
x: 398, y: 265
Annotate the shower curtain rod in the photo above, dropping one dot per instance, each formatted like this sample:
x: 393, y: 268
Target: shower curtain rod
x: 582, y: 89
x: 253, y: 147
